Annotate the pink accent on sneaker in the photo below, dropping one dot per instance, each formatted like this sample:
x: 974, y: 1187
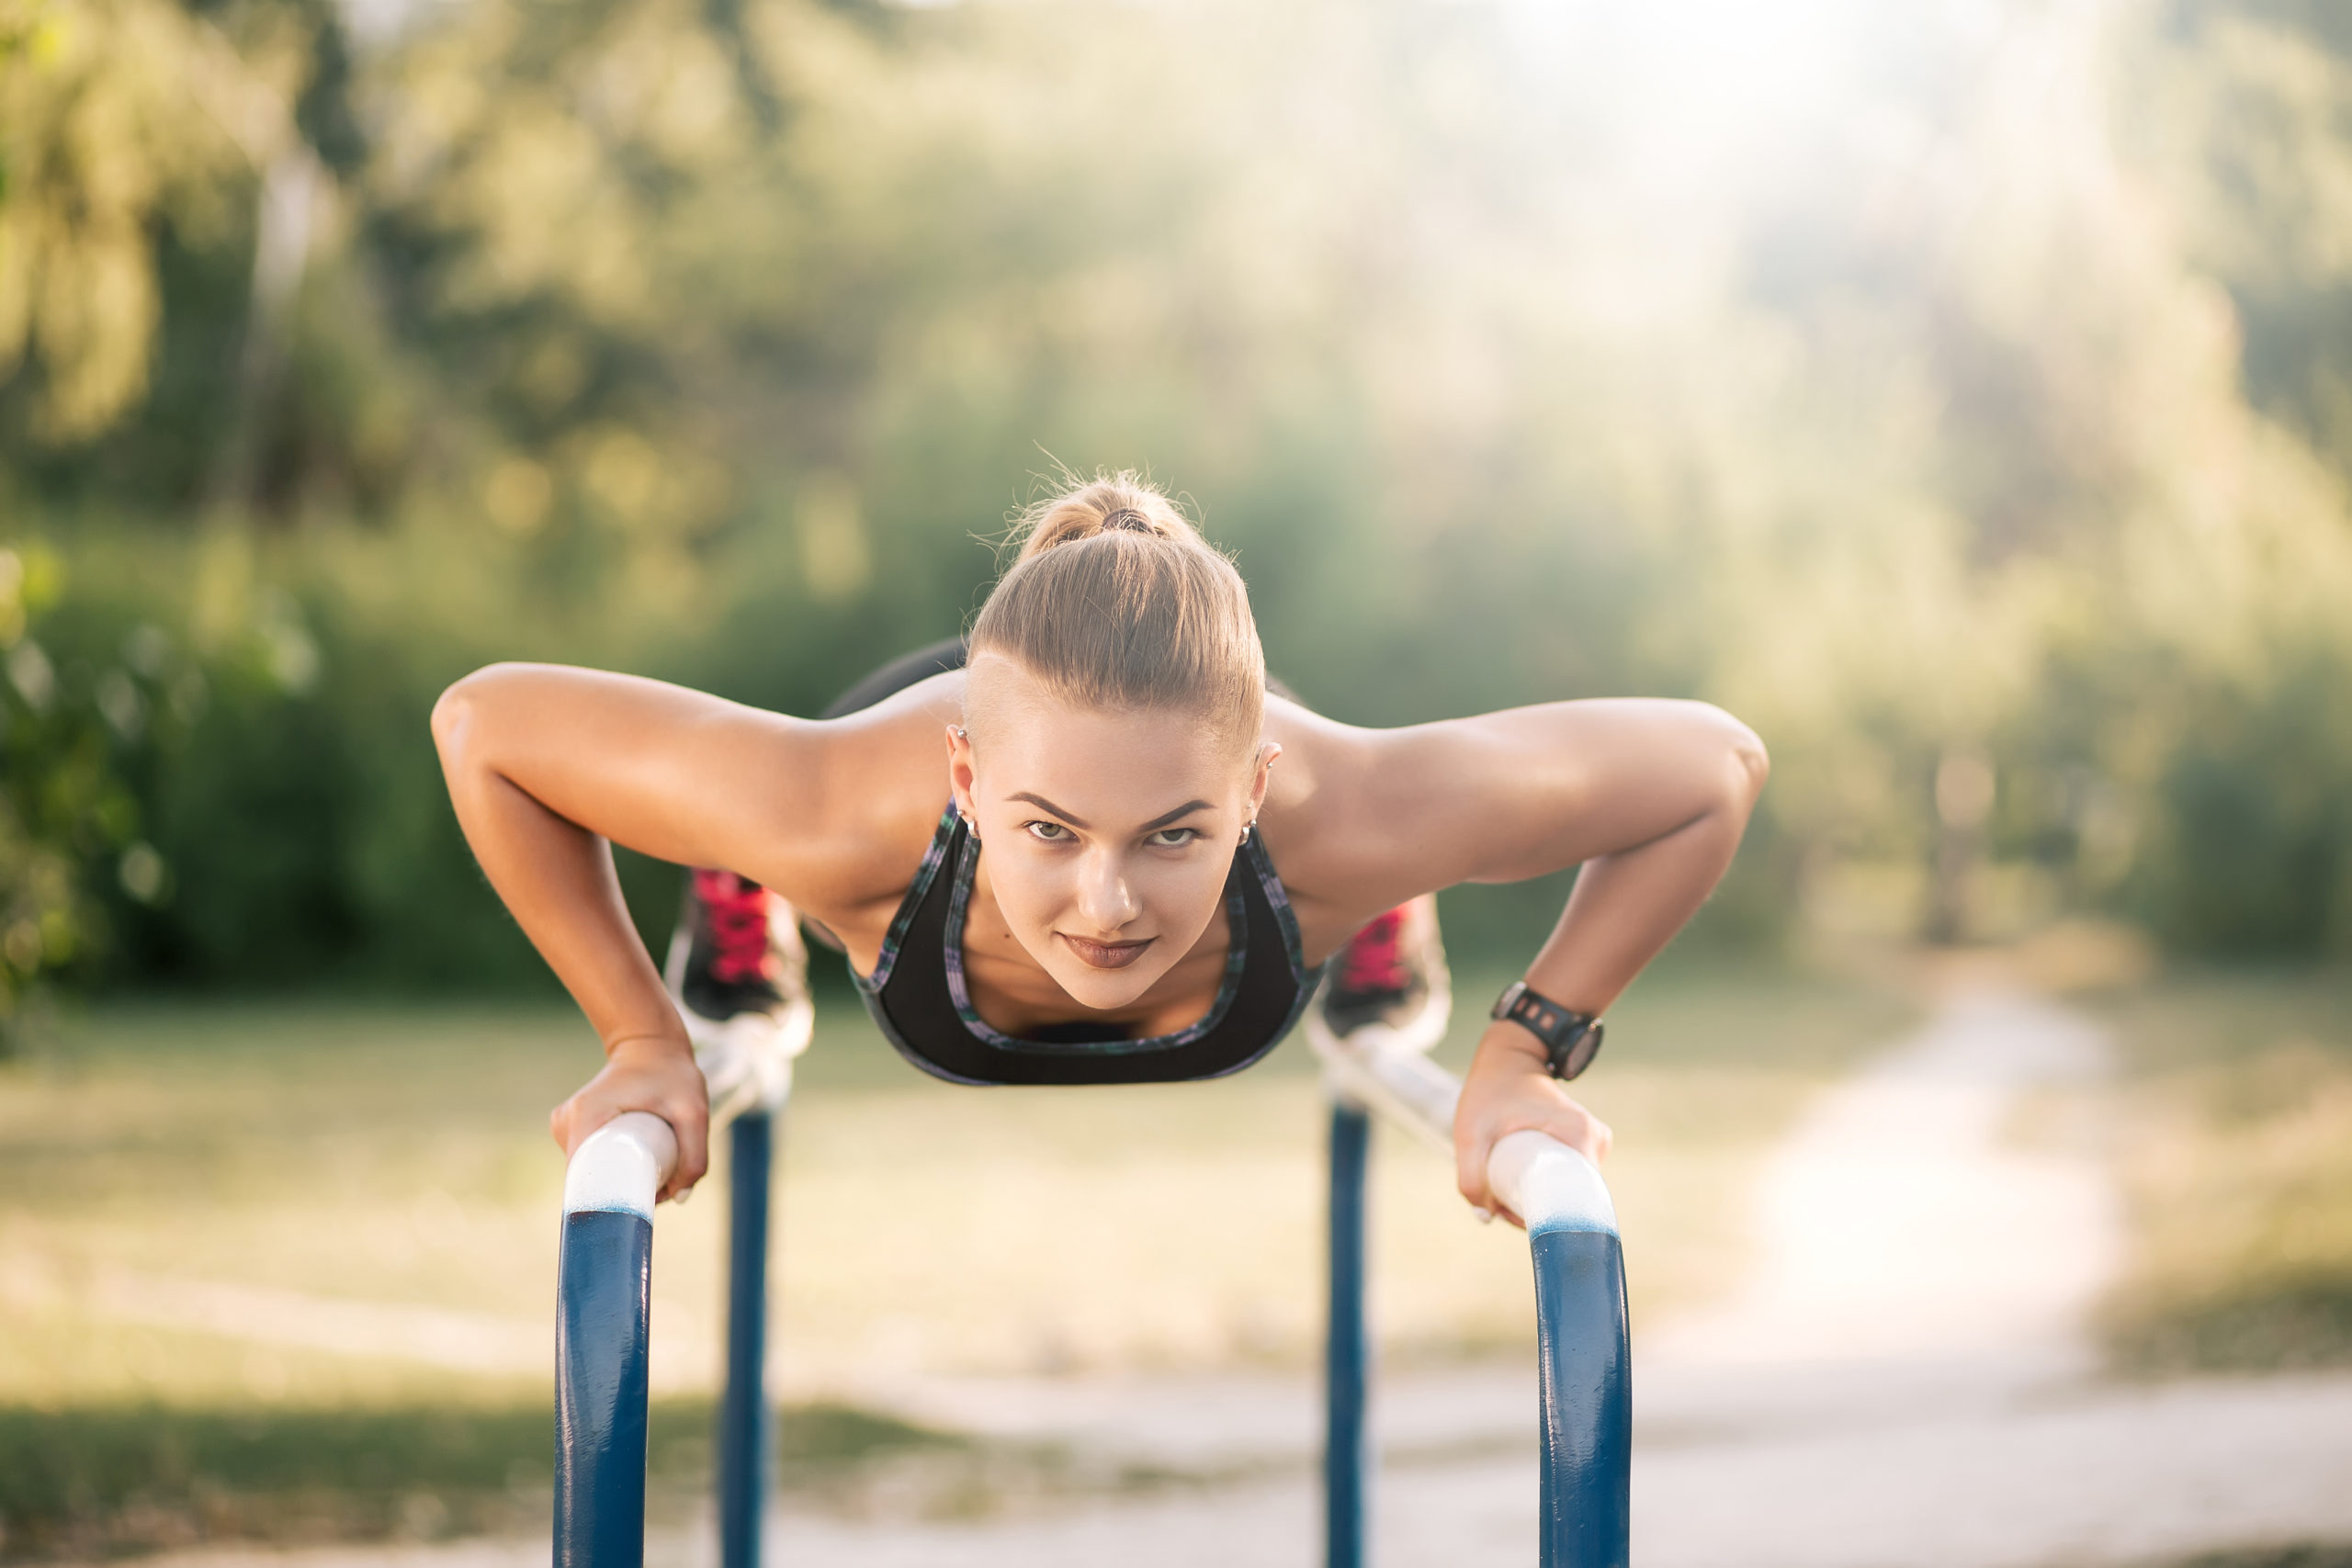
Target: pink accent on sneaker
x: 739, y: 926
x: 1376, y: 956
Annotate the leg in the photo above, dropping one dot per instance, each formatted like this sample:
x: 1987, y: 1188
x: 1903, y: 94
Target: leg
x: 739, y: 972
x: 1390, y: 981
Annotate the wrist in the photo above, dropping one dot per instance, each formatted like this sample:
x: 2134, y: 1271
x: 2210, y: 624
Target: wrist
x: 1505, y: 1046
x: 650, y: 1043
x: 1570, y: 1038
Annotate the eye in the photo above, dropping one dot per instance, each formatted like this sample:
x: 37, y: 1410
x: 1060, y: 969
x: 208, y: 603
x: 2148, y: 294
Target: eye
x: 1047, y: 832
x: 1173, y: 838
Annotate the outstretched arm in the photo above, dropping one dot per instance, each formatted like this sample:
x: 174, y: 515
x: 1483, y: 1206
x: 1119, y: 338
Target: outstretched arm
x: 1649, y: 796
x: 547, y: 767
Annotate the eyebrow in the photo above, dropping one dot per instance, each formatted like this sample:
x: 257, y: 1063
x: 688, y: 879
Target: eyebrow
x: 1165, y: 817
x: 1157, y: 823
x: 1043, y: 803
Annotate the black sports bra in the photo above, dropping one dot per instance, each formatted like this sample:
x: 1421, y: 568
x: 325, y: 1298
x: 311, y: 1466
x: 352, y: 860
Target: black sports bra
x: 918, y: 997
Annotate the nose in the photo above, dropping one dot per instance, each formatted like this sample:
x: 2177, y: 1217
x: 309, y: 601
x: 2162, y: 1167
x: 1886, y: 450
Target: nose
x: 1105, y: 901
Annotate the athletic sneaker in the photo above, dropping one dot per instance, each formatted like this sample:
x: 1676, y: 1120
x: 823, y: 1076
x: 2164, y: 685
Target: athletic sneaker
x: 1389, y: 990
x: 740, y: 976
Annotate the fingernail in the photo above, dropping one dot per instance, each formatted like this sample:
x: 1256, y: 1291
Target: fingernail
x: 684, y: 1193
x: 1486, y: 1216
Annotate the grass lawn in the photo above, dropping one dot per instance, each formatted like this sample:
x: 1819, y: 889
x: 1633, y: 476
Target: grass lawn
x: 2236, y: 1155
x: 286, y: 1269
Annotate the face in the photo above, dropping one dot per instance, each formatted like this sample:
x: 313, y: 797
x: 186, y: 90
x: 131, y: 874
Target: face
x: 1108, y: 835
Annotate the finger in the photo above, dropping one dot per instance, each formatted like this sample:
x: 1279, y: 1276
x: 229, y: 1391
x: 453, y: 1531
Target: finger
x: 1590, y: 1136
x: 1466, y: 1181
x: 1470, y: 1175
x: 694, y: 1146
x: 689, y: 1123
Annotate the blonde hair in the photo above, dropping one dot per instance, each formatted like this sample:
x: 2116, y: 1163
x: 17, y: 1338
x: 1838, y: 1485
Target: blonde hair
x: 1116, y: 601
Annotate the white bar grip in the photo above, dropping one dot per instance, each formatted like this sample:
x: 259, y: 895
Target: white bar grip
x: 621, y: 1166
x: 1548, y: 1185
x: 1405, y: 1087
x: 1544, y: 1183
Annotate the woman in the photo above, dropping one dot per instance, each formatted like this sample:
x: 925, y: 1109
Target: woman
x: 1099, y: 900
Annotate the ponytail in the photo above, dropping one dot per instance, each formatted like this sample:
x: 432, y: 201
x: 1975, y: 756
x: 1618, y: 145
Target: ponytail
x: 1116, y: 601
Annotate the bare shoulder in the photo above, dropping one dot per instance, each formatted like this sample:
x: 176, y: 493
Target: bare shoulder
x: 1320, y: 824
x: 1358, y: 820
x: 834, y: 814
x: 880, y: 780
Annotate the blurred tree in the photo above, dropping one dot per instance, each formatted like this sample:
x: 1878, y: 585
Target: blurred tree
x: 1966, y: 427
x: 85, y: 705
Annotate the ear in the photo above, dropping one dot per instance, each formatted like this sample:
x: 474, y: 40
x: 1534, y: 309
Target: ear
x: 960, y: 772
x: 1262, y: 776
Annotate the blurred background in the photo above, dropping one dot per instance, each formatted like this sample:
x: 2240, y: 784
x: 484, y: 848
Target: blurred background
x: 1961, y: 393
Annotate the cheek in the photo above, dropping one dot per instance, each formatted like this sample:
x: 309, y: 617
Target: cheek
x: 1032, y: 889
x: 1187, y: 893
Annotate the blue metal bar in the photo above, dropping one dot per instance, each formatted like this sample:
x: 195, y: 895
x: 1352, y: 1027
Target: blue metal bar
x: 1347, y: 1356
x: 744, y: 1419
x: 1585, y: 1369
x: 1586, y: 1373
x: 602, y: 1300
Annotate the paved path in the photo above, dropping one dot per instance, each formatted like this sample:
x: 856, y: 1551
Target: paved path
x: 1903, y: 1380
x: 1902, y: 1383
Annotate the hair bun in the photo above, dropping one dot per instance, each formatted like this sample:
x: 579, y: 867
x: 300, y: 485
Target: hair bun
x: 1109, y: 504
x: 1160, y: 621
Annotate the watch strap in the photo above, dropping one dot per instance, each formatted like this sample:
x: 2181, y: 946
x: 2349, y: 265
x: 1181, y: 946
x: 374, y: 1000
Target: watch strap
x: 1571, y: 1039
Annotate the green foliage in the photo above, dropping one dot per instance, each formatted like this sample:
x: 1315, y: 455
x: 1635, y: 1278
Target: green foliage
x: 704, y: 341
x: 86, y: 703
x: 2255, y: 853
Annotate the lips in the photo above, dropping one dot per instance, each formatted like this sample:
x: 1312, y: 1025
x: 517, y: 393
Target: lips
x: 1105, y: 955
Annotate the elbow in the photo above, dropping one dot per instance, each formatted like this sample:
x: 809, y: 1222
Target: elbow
x: 1746, y: 764
x: 1751, y: 764
x: 456, y: 713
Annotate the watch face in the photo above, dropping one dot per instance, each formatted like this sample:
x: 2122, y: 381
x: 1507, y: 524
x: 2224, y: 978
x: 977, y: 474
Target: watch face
x: 1581, y: 1054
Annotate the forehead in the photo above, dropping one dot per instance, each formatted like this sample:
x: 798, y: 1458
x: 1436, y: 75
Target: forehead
x: 1106, y: 764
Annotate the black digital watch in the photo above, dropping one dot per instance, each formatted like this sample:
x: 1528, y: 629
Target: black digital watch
x: 1571, y: 1039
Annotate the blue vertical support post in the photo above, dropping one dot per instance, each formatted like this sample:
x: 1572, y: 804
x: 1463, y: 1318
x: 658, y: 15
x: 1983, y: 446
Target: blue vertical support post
x: 1584, y: 1373
x: 1584, y: 1364
x: 1347, y: 1356
x: 604, y: 1301
x: 745, y: 1420
x: 604, y: 1298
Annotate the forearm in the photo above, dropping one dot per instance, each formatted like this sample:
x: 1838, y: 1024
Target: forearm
x: 1626, y: 906
x: 556, y: 879
x: 1651, y: 799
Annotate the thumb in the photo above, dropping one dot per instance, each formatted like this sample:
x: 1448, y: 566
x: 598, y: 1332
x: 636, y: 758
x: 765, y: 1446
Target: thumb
x: 1471, y: 1147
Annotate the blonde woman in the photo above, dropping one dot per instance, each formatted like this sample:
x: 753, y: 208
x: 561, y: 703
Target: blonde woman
x: 1086, y: 844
